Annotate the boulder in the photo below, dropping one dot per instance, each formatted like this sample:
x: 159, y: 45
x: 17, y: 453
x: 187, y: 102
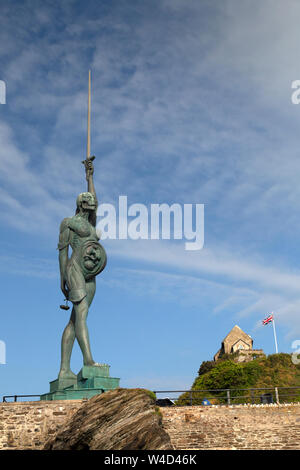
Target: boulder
x: 121, y: 419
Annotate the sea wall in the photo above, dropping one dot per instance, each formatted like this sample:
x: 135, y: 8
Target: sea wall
x: 27, y: 425
x: 233, y: 427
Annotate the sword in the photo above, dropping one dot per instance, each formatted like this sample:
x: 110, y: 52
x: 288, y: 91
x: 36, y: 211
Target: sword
x: 89, y: 158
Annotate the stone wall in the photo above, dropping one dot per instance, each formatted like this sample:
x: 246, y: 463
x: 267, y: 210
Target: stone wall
x: 27, y: 425
x: 248, y: 355
x: 233, y: 427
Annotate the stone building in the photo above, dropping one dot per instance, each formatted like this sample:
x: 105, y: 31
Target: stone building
x: 237, y: 341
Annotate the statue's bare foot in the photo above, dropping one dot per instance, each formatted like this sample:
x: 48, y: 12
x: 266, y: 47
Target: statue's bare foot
x: 67, y: 374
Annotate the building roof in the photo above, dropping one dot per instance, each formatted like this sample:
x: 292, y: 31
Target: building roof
x: 236, y: 329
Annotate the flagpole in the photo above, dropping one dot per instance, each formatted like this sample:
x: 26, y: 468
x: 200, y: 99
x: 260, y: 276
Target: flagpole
x: 275, y: 337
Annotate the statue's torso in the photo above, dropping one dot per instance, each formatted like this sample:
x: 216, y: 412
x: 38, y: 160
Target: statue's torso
x: 87, y: 253
x: 81, y: 230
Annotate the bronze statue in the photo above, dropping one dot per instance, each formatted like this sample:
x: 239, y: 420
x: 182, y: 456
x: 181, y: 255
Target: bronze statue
x: 78, y: 283
x: 78, y: 272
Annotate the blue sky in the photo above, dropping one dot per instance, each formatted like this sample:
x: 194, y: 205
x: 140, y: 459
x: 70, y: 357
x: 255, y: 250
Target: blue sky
x: 191, y: 104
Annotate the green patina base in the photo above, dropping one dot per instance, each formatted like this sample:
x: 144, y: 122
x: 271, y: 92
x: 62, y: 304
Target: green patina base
x: 91, y: 380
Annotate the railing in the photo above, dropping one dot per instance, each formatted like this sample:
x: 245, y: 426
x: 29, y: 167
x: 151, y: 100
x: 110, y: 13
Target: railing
x: 230, y: 396
x: 220, y: 396
x: 15, y: 397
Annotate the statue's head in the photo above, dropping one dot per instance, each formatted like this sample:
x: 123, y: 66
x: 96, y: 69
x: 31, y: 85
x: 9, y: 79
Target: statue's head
x: 86, y: 201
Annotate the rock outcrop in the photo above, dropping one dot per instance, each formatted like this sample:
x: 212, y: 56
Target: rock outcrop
x: 122, y: 419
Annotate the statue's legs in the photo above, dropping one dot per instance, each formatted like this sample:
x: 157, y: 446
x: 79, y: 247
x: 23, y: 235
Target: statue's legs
x: 81, y: 331
x: 77, y: 327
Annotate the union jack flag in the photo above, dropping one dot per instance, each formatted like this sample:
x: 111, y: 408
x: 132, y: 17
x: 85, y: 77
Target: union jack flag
x: 268, y: 319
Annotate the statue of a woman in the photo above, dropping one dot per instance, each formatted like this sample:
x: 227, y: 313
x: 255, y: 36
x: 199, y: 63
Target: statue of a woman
x: 78, y: 272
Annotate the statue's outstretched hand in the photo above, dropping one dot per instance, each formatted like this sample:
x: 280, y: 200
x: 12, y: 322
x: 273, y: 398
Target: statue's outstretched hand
x: 89, y: 167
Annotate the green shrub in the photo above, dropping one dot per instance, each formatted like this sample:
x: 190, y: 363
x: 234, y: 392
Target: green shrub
x: 276, y: 370
x: 206, y: 366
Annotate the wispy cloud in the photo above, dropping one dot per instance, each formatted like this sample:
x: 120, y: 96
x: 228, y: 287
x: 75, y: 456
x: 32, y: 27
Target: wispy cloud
x: 240, y: 285
x: 30, y: 267
x: 191, y: 103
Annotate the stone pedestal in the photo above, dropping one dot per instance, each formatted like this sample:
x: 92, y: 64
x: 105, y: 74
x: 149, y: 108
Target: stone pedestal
x: 91, y: 380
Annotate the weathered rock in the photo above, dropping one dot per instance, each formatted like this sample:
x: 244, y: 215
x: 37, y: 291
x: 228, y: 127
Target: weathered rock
x: 123, y: 419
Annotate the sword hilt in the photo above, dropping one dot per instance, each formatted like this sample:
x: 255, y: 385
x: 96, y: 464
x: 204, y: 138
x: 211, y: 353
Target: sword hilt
x: 89, y: 168
x: 88, y: 159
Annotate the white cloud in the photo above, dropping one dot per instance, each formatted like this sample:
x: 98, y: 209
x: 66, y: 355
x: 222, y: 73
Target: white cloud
x: 212, y: 262
x: 245, y: 287
x: 191, y: 103
x: 33, y: 267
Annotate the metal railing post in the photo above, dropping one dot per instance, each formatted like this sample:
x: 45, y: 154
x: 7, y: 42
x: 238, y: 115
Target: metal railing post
x: 277, y: 395
x: 191, y: 397
x: 228, y: 396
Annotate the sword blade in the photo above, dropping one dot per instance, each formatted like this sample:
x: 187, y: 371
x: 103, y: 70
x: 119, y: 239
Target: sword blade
x: 88, y: 145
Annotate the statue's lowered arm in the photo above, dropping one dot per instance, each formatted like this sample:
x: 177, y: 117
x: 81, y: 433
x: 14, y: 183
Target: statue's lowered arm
x: 63, y: 246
